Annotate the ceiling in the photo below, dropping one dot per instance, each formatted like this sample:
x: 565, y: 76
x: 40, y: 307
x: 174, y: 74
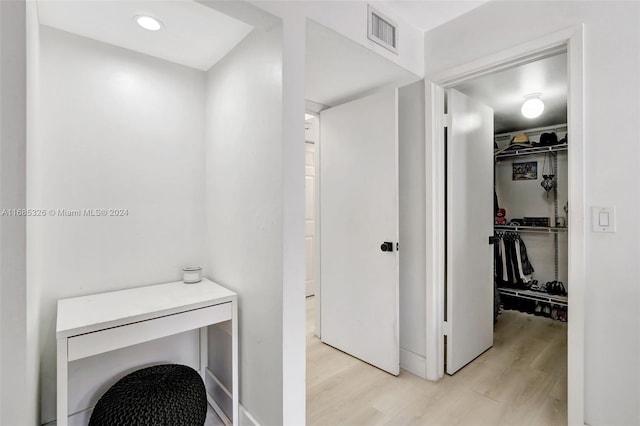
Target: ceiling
x: 428, y: 14
x: 339, y: 70
x: 504, y: 91
x: 193, y: 34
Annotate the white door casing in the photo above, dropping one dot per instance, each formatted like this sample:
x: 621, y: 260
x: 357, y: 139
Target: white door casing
x: 469, y: 226
x: 359, y: 211
x: 310, y: 215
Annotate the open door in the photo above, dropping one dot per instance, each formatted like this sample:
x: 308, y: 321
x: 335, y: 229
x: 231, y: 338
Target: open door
x: 359, y: 229
x: 469, y: 226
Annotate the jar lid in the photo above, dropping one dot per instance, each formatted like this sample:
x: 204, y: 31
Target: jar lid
x: 191, y: 268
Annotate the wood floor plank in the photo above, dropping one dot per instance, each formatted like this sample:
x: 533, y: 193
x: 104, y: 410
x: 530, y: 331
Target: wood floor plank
x: 520, y: 381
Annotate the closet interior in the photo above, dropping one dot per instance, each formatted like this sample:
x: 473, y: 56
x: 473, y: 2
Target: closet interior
x: 530, y: 185
x: 531, y: 221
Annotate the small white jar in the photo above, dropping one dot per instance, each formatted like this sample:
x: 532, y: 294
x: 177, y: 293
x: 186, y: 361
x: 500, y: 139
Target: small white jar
x: 191, y: 274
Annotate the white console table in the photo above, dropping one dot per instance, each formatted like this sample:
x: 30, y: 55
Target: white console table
x: 98, y: 323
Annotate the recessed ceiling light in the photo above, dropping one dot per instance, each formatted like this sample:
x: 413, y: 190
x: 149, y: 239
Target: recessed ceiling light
x: 148, y: 23
x: 532, y: 106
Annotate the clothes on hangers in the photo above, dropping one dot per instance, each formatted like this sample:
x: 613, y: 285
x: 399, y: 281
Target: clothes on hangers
x: 512, y: 267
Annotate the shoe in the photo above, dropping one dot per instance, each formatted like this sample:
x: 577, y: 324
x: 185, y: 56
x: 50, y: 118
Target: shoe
x: 563, y: 314
x: 546, y: 310
x: 554, y: 313
x: 560, y: 289
x: 538, y: 309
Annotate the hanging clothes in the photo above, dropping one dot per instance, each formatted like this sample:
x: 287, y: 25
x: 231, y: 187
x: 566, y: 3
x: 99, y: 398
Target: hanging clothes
x: 512, y: 265
x: 526, y: 264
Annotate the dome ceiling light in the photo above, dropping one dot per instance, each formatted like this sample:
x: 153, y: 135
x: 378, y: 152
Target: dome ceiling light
x: 532, y: 106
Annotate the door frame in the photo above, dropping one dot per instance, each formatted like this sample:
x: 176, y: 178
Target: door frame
x: 315, y: 133
x: 571, y: 41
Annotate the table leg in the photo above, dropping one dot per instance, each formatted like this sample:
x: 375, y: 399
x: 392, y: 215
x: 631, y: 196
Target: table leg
x: 234, y: 360
x: 62, y: 383
x: 204, y: 353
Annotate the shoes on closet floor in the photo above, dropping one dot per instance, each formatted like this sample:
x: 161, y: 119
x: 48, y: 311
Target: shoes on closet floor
x: 538, y: 309
x: 526, y: 306
x: 562, y: 316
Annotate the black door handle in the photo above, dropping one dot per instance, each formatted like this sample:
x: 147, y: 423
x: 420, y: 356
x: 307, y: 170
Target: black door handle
x: 386, y: 246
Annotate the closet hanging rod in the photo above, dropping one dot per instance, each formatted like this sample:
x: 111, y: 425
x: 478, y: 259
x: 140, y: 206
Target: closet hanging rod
x: 534, y: 150
x: 518, y: 228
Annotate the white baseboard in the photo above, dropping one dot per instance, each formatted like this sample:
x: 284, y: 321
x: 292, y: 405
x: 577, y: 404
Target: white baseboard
x: 413, y: 363
x: 246, y: 419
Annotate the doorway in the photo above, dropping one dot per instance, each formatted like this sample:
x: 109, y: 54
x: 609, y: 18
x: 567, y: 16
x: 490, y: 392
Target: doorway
x: 353, y: 88
x: 506, y: 287
x: 569, y: 41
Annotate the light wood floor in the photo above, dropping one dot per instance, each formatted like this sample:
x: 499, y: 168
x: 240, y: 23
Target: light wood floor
x: 522, y: 380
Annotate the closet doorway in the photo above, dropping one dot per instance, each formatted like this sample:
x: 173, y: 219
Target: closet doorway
x: 525, y: 216
x: 517, y: 202
x: 561, y: 225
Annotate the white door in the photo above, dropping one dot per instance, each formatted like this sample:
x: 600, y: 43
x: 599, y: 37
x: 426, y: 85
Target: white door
x: 358, y: 213
x: 469, y: 226
x: 310, y: 214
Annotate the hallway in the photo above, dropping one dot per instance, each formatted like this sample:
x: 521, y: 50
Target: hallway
x: 520, y: 381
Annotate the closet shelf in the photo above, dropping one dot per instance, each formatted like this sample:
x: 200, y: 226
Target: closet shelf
x: 533, y: 150
x: 542, y: 229
x: 534, y: 295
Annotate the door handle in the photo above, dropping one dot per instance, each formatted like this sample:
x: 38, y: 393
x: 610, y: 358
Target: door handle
x: 386, y: 246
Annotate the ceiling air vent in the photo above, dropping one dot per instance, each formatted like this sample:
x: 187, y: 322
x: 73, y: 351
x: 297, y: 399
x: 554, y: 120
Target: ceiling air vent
x: 382, y: 30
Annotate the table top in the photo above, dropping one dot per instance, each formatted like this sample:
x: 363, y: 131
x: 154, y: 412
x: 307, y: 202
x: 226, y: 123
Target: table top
x: 85, y: 314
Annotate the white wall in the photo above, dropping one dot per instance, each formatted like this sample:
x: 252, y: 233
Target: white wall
x: 244, y: 192
x: 411, y: 155
x: 117, y: 130
x: 293, y: 214
x: 612, y: 63
x: 33, y: 306
x: 16, y: 399
x: 349, y: 18
x: 292, y: 312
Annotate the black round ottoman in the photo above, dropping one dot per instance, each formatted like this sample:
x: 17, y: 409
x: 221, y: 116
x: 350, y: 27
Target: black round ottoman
x: 168, y: 394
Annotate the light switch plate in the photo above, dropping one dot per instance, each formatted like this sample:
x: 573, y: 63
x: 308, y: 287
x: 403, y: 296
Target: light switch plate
x: 603, y: 219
